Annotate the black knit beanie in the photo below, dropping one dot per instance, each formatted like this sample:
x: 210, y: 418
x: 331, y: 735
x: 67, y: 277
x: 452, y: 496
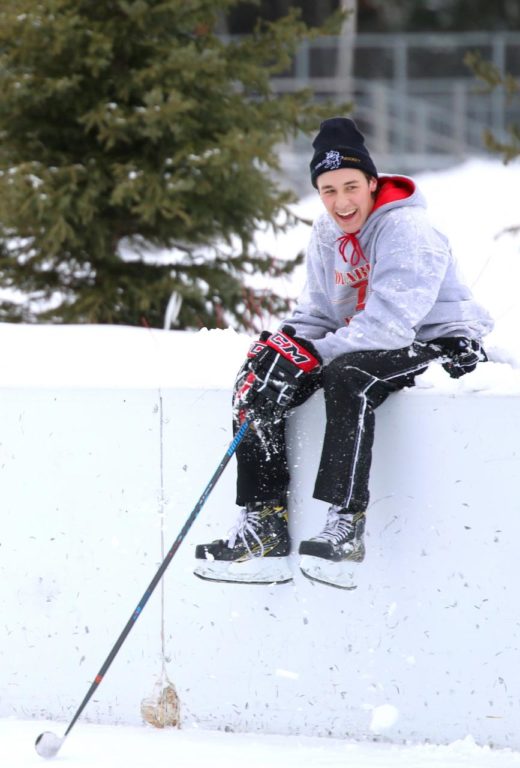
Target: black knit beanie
x: 339, y: 144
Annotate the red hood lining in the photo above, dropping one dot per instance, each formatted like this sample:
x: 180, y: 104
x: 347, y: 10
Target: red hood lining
x: 392, y: 188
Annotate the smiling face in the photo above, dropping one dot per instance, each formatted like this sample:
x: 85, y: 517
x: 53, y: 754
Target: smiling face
x: 347, y: 195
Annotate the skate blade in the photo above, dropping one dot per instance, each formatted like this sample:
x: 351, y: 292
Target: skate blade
x: 258, y: 570
x: 341, y: 575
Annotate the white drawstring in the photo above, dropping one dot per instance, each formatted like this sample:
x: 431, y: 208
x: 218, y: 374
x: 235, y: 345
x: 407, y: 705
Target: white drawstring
x: 246, y: 524
x: 337, y: 527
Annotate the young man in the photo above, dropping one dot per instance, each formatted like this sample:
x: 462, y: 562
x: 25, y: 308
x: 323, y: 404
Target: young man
x: 381, y: 302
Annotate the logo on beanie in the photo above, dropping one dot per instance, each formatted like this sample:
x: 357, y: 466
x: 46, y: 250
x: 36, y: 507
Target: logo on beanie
x: 334, y: 160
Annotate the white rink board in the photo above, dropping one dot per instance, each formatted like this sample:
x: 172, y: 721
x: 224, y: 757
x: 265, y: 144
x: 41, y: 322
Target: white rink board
x: 94, y: 486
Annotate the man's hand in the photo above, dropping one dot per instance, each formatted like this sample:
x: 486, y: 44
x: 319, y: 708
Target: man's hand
x: 463, y: 353
x: 276, y: 368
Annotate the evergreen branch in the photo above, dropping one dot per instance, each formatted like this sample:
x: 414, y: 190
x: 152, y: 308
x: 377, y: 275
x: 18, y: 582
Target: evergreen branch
x: 131, y: 123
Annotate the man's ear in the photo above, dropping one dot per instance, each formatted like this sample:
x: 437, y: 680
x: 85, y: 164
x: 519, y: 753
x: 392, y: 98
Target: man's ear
x: 372, y: 185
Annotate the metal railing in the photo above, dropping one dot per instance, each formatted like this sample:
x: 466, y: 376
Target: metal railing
x: 415, y: 99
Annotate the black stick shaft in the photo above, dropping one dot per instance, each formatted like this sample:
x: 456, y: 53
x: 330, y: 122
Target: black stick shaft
x: 162, y: 568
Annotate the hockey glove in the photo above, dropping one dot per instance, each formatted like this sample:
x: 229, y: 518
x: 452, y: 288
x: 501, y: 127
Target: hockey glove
x: 277, y: 367
x: 463, y: 355
x: 244, y: 391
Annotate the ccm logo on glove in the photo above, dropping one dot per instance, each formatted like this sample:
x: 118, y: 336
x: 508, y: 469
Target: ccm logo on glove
x: 293, y: 351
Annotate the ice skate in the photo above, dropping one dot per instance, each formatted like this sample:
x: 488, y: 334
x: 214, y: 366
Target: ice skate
x: 332, y: 555
x: 255, y: 552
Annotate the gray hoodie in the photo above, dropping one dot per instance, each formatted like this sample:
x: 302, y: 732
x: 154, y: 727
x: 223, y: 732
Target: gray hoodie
x: 393, y: 282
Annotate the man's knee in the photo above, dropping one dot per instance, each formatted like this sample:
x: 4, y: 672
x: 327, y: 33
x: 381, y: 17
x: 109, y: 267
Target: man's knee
x: 346, y: 372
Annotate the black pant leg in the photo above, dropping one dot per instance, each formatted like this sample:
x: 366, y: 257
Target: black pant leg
x: 262, y: 467
x: 354, y: 386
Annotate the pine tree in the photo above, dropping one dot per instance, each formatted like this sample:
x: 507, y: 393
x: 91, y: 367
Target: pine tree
x: 137, y: 160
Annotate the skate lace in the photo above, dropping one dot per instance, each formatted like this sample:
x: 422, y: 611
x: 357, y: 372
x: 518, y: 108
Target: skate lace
x: 337, y: 527
x: 246, y: 523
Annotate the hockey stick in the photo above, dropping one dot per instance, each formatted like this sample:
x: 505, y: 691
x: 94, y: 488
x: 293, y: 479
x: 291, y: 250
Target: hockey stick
x: 48, y: 744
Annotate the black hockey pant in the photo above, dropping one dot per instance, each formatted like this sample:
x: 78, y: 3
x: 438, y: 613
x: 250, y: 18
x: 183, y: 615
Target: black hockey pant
x: 354, y: 385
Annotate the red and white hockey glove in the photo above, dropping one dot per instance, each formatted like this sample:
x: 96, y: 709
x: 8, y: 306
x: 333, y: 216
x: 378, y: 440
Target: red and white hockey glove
x: 276, y: 368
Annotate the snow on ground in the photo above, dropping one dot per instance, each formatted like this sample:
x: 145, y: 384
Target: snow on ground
x: 118, y: 356
x: 97, y: 746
